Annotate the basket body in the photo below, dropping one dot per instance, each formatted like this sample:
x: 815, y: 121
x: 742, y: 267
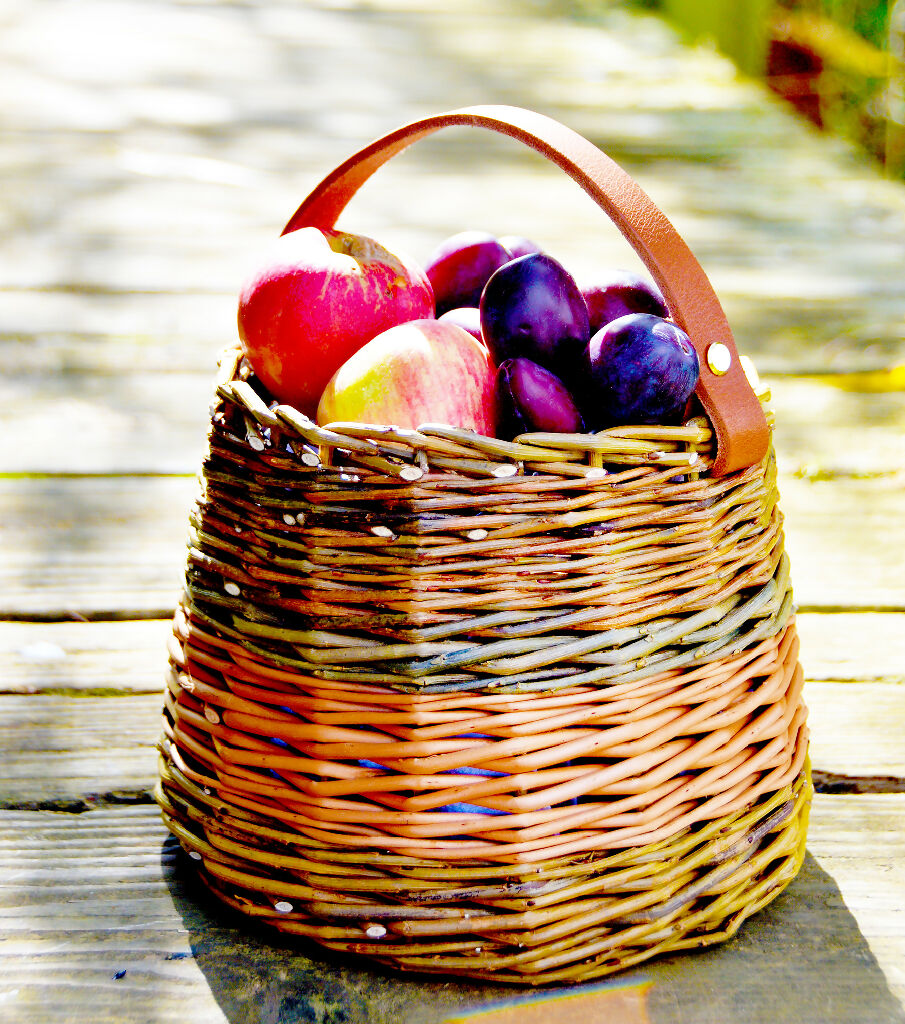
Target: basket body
x: 525, y: 711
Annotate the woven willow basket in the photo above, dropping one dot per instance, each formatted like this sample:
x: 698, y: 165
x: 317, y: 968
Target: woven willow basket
x: 527, y: 711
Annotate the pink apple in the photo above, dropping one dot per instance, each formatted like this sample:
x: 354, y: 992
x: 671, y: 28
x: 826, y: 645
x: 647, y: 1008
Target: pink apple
x: 426, y: 371
x: 315, y: 299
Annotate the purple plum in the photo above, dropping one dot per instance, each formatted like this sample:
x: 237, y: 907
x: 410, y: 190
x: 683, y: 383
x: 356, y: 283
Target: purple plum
x: 532, y: 308
x: 466, y: 317
x: 642, y: 369
x: 518, y: 245
x: 459, y: 268
x: 532, y: 398
x: 618, y: 293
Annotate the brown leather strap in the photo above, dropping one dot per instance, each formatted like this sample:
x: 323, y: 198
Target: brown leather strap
x: 741, y: 428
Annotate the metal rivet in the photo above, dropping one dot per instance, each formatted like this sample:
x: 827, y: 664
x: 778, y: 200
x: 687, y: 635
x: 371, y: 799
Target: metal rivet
x: 719, y: 358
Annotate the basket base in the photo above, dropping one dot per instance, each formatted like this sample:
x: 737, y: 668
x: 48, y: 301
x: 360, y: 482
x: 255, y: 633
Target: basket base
x: 556, y: 922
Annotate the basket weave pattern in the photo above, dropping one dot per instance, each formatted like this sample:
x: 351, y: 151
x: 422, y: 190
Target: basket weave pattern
x: 525, y: 710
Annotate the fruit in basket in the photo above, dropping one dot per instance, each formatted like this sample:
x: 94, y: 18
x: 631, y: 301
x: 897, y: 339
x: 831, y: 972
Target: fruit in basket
x: 532, y: 398
x: 467, y: 317
x: 532, y: 308
x: 425, y: 371
x: 459, y: 268
x: 618, y: 293
x: 316, y: 297
x: 518, y: 245
x: 641, y: 369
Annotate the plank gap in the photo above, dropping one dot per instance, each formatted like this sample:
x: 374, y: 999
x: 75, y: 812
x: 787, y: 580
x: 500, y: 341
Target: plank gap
x: 55, y: 615
x: 106, y: 474
x: 849, y: 609
x: 838, y: 783
x: 82, y: 804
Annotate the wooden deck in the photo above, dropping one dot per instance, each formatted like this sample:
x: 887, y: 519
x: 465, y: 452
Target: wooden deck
x: 148, y: 148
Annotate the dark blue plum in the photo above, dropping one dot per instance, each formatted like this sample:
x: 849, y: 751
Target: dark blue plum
x: 618, y: 293
x: 532, y: 308
x: 532, y: 398
x: 641, y: 369
x: 459, y: 268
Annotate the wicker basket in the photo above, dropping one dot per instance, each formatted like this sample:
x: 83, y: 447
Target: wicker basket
x: 529, y: 710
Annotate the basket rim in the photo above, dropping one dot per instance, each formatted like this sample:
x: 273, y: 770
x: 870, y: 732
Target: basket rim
x: 409, y: 454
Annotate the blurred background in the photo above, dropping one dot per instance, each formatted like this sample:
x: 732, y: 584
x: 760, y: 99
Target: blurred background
x: 840, y: 63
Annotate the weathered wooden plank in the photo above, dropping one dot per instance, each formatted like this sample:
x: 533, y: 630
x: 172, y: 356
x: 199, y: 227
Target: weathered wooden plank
x: 857, y: 729
x: 83, y: 657
x: 861, y: 646
x: 85, y: 546
x: 845, y: 542
x: 101, y: 922
x: 65, y: 750
x: 116, y: 545
x: 100, y: 423
x: 179, y: 330
x: 84, y: 897
x: 859, y: 840
x: 837, y: 426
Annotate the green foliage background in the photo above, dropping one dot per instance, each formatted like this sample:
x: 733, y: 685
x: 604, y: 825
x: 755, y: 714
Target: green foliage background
x: 854, y: 104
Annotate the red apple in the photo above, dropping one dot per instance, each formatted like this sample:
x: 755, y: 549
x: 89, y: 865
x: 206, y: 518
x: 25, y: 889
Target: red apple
x: 426, y: 371
x: 316, y: 298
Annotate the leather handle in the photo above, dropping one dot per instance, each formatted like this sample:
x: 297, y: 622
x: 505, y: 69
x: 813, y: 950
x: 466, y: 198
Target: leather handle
x: 741, y: 429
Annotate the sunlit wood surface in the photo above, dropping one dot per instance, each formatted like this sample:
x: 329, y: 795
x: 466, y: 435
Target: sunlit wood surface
x: 148, y: 149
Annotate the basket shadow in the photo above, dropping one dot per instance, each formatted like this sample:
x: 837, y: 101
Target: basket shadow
x: 260, y: 976
x: 802, y: 958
